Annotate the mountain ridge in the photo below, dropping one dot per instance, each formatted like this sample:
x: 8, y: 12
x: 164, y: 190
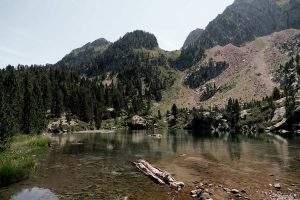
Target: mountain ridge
x: 86, y: 54
x: 244, y: 20
x: 192, y: 37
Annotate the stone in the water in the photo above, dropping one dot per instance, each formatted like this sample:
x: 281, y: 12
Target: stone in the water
x: 277, y: 186
x: 235, y: 191
x: 226, y: 190
x: 196, y: 192
x: 244, y: 191
x: 205, y: 196
x: 35, y: 193
x: 238, y: 195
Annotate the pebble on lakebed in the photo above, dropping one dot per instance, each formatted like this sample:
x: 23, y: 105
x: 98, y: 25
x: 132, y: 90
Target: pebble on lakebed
x: 277, y: 186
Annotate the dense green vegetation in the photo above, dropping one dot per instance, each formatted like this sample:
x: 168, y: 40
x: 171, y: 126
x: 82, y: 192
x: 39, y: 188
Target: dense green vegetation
x: 189, y: 57
x: 130, y: 75
x: 17, y: 161
x: 84, y: 57
x: 233, y: 113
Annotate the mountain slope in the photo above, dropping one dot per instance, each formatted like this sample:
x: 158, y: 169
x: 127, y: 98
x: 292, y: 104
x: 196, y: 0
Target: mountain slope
x: 252, y: 68
x: 250, y: 72
x: 246, y: 19
x: 128, y: 50
x: 134, y: 64
x: 86, y: 54
x: 192, y: 38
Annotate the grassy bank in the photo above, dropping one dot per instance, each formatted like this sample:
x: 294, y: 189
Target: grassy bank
x: 21, y: 158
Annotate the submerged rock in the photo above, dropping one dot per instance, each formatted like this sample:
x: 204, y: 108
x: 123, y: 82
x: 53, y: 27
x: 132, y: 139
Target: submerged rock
x: 200, y: 194
x: 235, y: 191
x: 205, y: 196
x: 277, y: 186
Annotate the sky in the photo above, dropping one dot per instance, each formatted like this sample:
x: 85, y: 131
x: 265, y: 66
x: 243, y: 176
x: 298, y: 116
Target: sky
x: 43, y: 31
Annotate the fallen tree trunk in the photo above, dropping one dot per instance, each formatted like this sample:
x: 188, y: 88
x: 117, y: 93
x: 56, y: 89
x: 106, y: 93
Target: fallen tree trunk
x: 158, y: 175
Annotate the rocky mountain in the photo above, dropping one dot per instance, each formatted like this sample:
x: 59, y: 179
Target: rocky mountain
x: 245, y: 20
x: 247, y: 72
x: 192, y: 38
x: 86, y: 54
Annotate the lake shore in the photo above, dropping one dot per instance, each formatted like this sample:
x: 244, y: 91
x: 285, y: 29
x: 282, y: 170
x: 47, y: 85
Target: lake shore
x: 79, y: 165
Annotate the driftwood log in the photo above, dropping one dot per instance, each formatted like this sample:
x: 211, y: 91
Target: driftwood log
x: 162, y: 177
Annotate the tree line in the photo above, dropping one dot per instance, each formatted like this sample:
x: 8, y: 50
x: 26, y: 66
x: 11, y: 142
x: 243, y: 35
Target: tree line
x: 31, y: 95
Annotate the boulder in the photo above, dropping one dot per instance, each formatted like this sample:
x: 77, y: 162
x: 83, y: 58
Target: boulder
x: 279, y: 125
x: 245, y: 113
x: 138, y: 123
x: 54, y: 128
x: 279, y: 114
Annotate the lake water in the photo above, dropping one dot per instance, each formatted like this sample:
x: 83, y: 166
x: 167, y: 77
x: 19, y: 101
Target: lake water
x: 99, y: 166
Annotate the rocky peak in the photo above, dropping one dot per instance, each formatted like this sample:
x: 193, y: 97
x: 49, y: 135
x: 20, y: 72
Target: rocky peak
x: 192, y: 37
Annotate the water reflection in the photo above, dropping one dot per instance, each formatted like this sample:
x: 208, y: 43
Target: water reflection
x: 35, y: 193
x: 83, y: 162
x: 224, y: 148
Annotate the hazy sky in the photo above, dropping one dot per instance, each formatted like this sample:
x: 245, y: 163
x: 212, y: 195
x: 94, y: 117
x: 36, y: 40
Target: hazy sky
x: 43, y: 31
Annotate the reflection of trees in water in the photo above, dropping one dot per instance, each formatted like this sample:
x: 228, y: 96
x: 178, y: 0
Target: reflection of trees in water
x: 282, y: 149
x: 108, y: 144
x: 214, y: 147
x: 174, y: 144
x: 234, y: 147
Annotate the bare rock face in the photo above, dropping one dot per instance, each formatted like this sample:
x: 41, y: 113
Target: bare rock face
x: 279, y: 114
x: 138, y: 123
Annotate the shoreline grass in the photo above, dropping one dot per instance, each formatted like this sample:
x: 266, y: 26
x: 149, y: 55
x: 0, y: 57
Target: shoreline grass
x: 21, y: 158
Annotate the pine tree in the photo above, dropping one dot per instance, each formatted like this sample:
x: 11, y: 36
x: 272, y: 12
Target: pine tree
x: 233, y: 110
x: 174, y: 110
x: 38, y: 117
x: 98, y: 115
x: 27, y: 106
x: 46, y: 92
x: 289, y: 90
x: 11, y: 101
x: 57, y: 101
x: 297, y: 59
x: 159, y: 114
x: 276, y: 94
x: 85, y: 105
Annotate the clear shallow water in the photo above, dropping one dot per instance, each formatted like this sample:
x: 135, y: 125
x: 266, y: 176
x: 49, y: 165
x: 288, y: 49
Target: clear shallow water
x: 98, y: 166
